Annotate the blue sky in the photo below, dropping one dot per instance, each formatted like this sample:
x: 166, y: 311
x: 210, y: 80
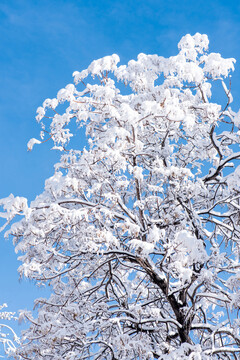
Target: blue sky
x: 43, y: 42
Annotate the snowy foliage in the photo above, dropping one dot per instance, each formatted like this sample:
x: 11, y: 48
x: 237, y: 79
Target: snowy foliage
x: 138, y: 233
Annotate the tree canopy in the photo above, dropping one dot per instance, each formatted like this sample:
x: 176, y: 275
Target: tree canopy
x: 137, y: 233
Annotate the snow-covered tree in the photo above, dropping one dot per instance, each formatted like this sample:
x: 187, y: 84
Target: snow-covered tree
x: 138, y: 233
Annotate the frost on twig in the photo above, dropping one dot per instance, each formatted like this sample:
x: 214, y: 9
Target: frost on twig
x: 8, y: 337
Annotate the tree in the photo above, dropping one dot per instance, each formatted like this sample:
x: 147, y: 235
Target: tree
x: 137, y: 234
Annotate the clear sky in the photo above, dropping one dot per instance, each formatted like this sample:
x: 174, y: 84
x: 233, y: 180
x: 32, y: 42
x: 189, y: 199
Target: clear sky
x: 43, y: 41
